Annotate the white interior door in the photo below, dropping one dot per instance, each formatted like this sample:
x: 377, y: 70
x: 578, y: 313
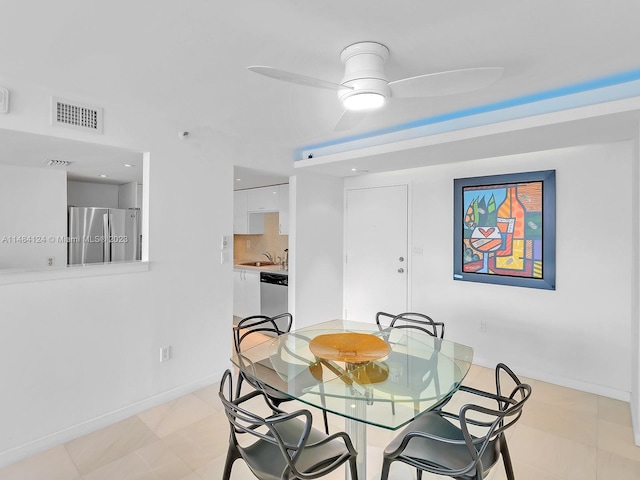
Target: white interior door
x: 376, y: 252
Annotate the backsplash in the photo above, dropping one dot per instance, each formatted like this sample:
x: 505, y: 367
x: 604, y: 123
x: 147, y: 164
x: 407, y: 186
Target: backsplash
x: 271, y: 241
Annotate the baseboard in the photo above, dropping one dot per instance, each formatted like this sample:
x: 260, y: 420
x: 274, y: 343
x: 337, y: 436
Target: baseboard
x: 564, y: 382
x: 39, y: 445
x: 58, y: 438
x: 635, y: 426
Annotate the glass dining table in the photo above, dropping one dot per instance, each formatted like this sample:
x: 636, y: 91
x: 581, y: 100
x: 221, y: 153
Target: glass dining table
x: 369, y: 375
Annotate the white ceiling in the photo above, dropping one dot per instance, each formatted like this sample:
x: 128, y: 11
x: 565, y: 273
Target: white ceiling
x: 251, y: 178
x: 188, y: 59
x: 88, y: 160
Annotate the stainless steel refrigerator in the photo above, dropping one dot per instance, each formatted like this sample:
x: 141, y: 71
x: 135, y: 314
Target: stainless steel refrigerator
x: 98, y: 235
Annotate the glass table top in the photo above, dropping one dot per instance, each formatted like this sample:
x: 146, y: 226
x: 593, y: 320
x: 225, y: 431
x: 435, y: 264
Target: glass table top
x: 414, y: 374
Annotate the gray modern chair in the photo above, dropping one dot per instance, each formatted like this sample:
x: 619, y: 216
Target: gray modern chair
x: 422, y: 323
x: 282, y: 445
x: 262, y: 324
x: 443, y: 443
x: 418, y: 321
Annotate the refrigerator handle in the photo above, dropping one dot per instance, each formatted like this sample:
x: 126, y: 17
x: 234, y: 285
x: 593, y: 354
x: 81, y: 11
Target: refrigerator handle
x: 106, y: 242
x: 136, y: 237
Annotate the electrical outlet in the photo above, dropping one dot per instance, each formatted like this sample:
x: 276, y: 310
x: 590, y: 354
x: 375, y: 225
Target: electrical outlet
x: 51, y: 261
x: 483, y: 325
x: 165, y: 353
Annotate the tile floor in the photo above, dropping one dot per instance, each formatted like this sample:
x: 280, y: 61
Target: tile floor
x: 564, y: 434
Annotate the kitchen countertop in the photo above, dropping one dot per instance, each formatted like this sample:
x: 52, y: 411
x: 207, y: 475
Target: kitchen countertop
x: 263, y: 268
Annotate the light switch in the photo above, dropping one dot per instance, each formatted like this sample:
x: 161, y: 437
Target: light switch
x: 4, y: 100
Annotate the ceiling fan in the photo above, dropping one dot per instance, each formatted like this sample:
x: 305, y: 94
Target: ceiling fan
x: 365, y: 86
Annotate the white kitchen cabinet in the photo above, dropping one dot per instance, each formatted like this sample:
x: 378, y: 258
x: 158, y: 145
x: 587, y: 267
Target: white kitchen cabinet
x: 246, y: 293
x: 283, y: 210
x: 245, y: 222
x: 264, y: 199
x: 240, y: 218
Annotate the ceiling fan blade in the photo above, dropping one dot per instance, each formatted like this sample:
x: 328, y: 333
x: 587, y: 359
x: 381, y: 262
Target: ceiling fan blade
x: 296, y: 78
x: 445, y: 83
x: 349, y: 119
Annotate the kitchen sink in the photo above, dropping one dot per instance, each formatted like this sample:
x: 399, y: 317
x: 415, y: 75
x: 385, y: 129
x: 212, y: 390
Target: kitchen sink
x: 256, y: 264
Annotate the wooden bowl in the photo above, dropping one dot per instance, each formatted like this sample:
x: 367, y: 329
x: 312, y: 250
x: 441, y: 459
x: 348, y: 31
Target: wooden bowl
x: 349, y: 347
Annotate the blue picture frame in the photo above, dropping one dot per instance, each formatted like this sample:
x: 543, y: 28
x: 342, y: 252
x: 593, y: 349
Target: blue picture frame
x: 505, y: 229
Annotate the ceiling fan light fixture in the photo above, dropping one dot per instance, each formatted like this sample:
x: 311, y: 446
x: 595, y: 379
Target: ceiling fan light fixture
x: 365, y: 86
x: 363, y: 101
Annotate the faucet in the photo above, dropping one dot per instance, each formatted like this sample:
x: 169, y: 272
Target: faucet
x: 269, y: 256
x: 286, y: 259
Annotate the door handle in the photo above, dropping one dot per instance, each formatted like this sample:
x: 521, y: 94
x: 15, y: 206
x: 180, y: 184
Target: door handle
x: 401, y: 270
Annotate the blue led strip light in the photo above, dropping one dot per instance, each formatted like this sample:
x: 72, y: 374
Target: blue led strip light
x: 626, y: 85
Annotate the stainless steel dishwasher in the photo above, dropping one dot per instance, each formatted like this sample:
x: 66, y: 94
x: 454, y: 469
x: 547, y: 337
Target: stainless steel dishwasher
x: 274, y: 293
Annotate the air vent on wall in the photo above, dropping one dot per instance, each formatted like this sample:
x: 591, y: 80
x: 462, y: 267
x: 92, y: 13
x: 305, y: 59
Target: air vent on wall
x: 72, y: 114
x: 58, y: 163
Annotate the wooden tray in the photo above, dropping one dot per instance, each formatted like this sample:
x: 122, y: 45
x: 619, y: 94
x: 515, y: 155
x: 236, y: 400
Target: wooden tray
x: 349, y: 347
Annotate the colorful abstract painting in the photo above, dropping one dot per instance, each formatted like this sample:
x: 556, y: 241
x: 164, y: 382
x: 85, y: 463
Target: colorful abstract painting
x: 502, y: 224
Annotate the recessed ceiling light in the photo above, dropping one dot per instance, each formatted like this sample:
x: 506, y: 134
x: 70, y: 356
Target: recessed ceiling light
x: 238, y: 179
x: 103, y: 176
x: 128, y: 165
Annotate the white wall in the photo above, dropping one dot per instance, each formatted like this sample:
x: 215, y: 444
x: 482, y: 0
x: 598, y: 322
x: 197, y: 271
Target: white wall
x: 91, y: 194
x: 315, y: 248
x: 128, y: 196
x: 83, y: 352
x: 33, y: 217
x: 577, y: 335
x: 635, y: 293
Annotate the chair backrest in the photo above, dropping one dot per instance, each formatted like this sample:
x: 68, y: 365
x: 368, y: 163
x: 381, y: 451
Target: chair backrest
x: 243, y: 421
x: 261, y: 324
x: 418, y: 321
x: 388, y: 317
x: 492, y: 422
